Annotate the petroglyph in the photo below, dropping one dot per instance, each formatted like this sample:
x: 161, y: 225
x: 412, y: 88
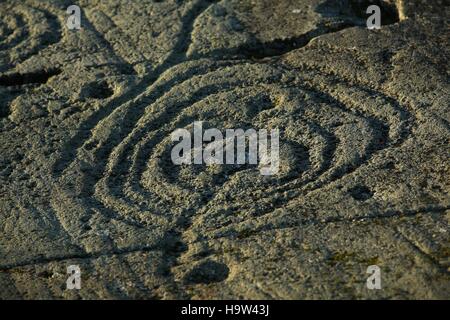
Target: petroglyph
x: 86, y: 175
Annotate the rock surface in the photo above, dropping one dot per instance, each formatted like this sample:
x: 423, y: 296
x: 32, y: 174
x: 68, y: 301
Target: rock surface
x: 85, y: 171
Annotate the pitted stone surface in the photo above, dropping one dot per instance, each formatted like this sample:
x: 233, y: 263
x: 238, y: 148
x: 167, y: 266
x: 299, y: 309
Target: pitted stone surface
x: 85, y: 170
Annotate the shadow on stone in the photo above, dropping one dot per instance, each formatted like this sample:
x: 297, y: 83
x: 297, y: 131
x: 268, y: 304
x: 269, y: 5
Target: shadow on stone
x: 360, y: 193
x: 356, y: 10
x: 207, y: 272
x: 97, y: 90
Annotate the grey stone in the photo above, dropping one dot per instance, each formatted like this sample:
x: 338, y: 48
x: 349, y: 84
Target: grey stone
x: 85, y: 170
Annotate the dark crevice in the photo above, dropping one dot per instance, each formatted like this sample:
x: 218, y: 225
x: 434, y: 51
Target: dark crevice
x: 279, y: 47
x: 177, y: 56
x: 207, y: 272
x: 355, y: 10
x: 97, y: 90
x: 345, y: 14
x: 20, y: 79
